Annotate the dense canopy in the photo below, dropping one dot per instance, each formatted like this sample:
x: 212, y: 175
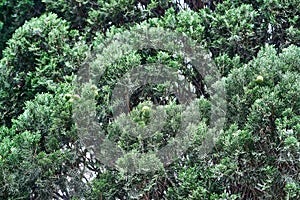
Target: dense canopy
x: 227, y: 130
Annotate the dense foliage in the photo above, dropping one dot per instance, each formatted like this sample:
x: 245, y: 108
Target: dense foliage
x: 45, y: 45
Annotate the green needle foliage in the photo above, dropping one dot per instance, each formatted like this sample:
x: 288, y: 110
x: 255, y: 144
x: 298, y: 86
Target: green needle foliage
x: 14, y: 14
x: 45, y: 45
x: 40, y: 53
